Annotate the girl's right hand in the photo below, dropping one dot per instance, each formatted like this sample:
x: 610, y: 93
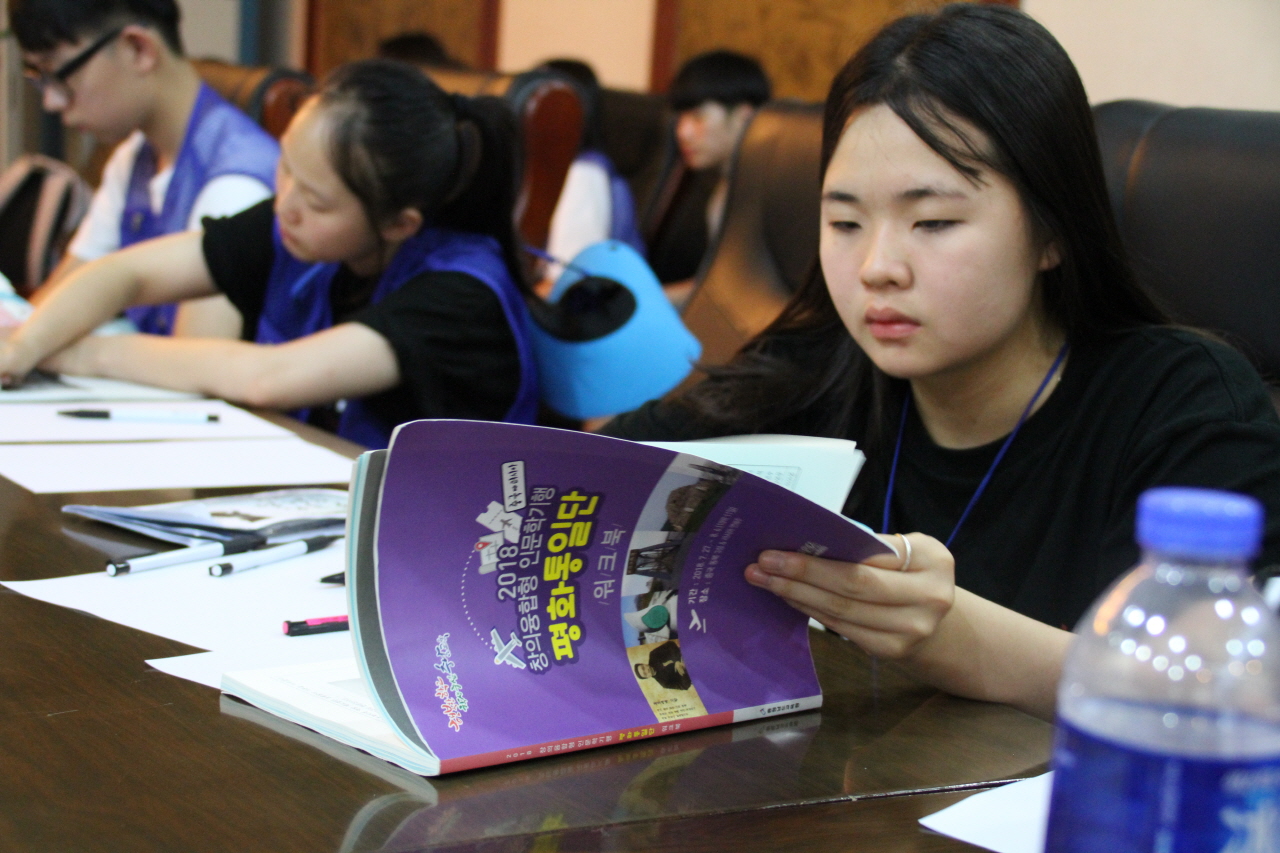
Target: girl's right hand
x: 946, y: 636
x: 888, y: 611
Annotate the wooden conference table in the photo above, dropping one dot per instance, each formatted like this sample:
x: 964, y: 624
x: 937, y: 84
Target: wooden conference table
x: 99, y: 752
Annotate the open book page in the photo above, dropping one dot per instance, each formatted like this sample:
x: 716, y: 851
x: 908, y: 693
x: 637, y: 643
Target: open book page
x: 412, y: 783
x: 820, y: 469
x: 331, y: 698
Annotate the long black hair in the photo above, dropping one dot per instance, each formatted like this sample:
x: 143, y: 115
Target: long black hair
x: 398, y: 141
x: 988, y: 68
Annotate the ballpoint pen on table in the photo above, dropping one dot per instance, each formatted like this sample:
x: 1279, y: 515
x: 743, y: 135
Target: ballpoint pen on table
x: 143, y: 416
x: 276, y: 553
x: 178, y: 556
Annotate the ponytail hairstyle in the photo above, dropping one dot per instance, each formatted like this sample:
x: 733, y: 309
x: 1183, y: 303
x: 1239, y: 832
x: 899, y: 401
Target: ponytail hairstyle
x: 398, y: 141
x: 965, y: 68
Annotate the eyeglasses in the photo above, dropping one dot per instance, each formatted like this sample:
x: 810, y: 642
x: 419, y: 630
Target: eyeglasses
x: 56, y: 80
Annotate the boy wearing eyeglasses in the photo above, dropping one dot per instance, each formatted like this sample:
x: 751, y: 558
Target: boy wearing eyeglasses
x: 116, y: 69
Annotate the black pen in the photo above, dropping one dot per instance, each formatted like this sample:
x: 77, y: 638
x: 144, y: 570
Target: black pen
x: 143, y: 416
x: 235, y: 545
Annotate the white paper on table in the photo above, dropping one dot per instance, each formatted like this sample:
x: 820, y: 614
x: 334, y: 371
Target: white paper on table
x: 1008, y: 819
x: 41, y: 423
x: 242, y: 611
x: 122, y: 466
x: 207, y: 667
x: 71, y: 389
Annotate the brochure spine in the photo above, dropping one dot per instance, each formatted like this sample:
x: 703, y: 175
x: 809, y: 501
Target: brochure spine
x: 577, y: 744
x: 541, y: 750
x: 656, y: 729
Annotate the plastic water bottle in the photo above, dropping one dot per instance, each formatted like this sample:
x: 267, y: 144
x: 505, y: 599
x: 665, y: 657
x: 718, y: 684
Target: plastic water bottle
x: 1169, y: 708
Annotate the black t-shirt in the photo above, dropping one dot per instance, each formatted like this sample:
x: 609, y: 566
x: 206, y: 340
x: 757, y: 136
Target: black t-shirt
x: 456, y: 352
x: 1056, y: 523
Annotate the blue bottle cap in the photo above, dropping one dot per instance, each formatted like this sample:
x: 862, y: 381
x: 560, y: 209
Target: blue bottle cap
x: 1202, y: 524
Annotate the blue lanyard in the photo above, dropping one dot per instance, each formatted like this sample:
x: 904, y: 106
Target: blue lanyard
x: 897, y: 449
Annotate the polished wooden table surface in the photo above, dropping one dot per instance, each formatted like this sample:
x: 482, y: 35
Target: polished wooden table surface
x: 102, y: 753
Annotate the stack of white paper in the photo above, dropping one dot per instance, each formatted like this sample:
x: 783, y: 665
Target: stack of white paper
x: 239, y: 618
x: 152, y: 438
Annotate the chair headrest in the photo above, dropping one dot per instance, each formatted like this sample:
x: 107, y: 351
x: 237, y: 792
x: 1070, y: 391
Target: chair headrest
x: 1197, y: 197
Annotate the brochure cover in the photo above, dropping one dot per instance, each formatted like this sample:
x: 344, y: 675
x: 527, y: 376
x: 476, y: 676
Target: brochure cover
x: 536, y: 591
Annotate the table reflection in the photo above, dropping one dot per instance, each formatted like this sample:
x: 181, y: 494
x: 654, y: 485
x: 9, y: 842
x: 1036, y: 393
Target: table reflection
x: 879, y: 734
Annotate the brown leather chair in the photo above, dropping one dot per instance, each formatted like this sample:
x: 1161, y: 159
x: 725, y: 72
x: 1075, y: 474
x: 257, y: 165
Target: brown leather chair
x: 269, y: 96
x: 42, y: 201
x: 1197, y: 195
x: 549, y: 116
x: 638, y: 137
x: 768, y: 239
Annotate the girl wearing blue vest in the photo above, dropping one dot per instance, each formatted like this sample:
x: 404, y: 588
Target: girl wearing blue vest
x: 220, y: 140
x: 381, y: 285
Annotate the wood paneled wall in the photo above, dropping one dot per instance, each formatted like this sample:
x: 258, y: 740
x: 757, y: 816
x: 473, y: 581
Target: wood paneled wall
x: 342, y: 30
x: 801, y: 43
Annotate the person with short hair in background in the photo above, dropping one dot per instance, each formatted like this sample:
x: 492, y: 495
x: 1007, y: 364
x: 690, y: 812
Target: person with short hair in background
x: 715, y: 96
x: 116, y: 69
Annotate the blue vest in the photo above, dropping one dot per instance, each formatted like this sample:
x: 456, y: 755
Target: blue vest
x: 622, y: 207
x: 298, y: 304
x: 220, y: 140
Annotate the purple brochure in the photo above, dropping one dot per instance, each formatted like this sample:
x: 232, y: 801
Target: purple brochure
x: 541, y: 591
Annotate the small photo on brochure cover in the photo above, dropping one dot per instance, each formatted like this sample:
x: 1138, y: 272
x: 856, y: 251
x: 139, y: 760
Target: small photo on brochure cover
x: 661, y: 674
x: 681, y: 501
